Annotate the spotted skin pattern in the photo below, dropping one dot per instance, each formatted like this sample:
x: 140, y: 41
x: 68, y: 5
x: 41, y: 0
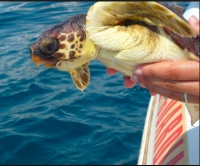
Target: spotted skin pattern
x: 71, y: 45
x: 81, y: 76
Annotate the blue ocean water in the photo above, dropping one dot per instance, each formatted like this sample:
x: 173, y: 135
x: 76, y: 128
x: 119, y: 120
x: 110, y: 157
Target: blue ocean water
x: 44, y: 119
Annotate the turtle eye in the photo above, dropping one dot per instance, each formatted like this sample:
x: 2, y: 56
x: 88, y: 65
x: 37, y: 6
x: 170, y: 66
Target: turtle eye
x: 48, y: 46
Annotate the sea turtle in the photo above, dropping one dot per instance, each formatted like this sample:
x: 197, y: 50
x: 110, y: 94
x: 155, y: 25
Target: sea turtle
x: 121, y: 35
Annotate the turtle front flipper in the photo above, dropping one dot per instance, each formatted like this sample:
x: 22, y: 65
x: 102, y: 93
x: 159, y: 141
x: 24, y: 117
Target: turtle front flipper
x: 108, y: 22
x: 81, y: 76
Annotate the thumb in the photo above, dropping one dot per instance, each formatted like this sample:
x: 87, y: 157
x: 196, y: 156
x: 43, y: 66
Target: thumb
x: 194, y: 22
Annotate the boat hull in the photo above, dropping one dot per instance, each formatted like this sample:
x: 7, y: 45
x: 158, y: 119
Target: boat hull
x: 168, y: 137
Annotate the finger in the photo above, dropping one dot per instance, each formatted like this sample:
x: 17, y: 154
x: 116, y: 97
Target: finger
x: 191, y: 87
x: 111, y: 71
x: 194, y: 22
x: 128, y: 83
x: 173, y: 70
x: 172, y: 94
x: 152, y: 93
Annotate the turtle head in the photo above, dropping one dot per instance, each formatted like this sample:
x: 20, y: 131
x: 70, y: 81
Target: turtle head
x: 66, y: 47
x: 64, y: 42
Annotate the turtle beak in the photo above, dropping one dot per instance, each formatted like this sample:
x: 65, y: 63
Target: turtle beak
x: 35, y: 57
x: 38, y: 59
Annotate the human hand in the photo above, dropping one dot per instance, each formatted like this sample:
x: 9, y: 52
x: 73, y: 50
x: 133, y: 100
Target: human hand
x: 194, y: 22
x: 127, y: 82
x: 173, y: 80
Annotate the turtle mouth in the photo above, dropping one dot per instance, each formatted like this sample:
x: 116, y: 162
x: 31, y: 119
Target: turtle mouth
x: 45, y: 51
x: 39, y: 59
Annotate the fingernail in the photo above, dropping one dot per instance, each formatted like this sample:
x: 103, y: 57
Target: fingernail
x: 194, y: 19
x: 134, y: 78
x: 142, y: 85
x: 138, y: 71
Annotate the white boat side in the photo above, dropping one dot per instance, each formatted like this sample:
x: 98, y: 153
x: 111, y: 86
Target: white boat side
x: 168, y: 137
